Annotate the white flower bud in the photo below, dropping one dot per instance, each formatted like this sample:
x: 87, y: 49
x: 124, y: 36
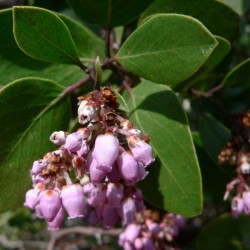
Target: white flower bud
x: 58, y: 137
x: 86, y: 112
x: 136, y: 132
x: 245, y: 168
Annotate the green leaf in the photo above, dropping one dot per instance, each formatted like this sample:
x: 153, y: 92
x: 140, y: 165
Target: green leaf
x: 108, y: 13
x: 30, y: 110
x: 214, y: 135
x: 88, y: 44
x: 174, y: 182
x: 225, y: 233
x: 214, y: 60
x: 236, y: 5
x: 160, y: 51
x: 42, y: 35
x: 239, y: 76
x: 214, y: 180
x: 225, y: 24
x: 15, y: 64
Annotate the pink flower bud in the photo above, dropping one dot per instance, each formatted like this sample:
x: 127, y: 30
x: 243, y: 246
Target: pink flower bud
x: 132, y: 232
x: 73, y: 142
x: 58, y: 220
x: 93, y: 219
x: 141, y: 150
x: 114, y: 175
x: 110, y: 217
x: 180, y: 221
x: 142, y: 173
x: 37, y: 179
x: 138, y: 244
x: 237, y: 206
x: 31, y: 198
x: 73, y: 200
x: 88, y: 188
x: 58, y: 137
x: 127, y: 246
x: 84, y: 149
x: 38, y: 211
x: 106, y: 151
x: 97, y: 196
x: 148, y: 243
x: 128, y: 167
x: 96, y: 175
x: 246, y: 199
x: 115, y: 193
x: 153, y: 228
x: 38, y: 166
x: 32, y: 195
x: 50, y: 203
x: 128, y: 211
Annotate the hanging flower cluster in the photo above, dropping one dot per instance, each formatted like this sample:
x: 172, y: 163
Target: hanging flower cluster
x: 151, y: 230
x: 236, y: 153
x: 93, y: 172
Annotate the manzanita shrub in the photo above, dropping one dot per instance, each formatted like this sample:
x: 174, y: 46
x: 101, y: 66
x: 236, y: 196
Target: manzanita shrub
x: 129, y: 114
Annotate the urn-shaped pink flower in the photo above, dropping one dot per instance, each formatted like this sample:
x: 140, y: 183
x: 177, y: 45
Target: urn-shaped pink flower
x: 110, y: 216
x: 50, y: 203
x: 128, y: 211
x: 141, y: 150
x: 115, y: 193
x: 128, y: 167
x: 73, y: 200
x: 106, y: 151
x: 38, y: 166
x: 58, y: 220
x: 32, y: 196
x: 73, y: 142
x: 96, y: 175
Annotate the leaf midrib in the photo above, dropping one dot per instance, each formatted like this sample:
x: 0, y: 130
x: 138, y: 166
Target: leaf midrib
x: 170, y: 174
x: 162, y: 51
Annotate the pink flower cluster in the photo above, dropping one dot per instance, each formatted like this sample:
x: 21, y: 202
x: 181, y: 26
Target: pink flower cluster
x: 147, y: 234
x: 240, y: 203
x: 92, y: 173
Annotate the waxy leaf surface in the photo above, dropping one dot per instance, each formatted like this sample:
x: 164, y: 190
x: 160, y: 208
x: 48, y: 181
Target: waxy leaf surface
x: 218, y: 17
x: 43, y: 35
x: 16, y: 64
x: 108, y: 13
x: 30, y: 110
x: 160, y: 51
x: 174, y: 181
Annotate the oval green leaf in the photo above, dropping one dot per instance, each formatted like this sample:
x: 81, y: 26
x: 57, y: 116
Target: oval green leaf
x: 42, y: 35
x: 174, y: 181
x: 30, y: 110
x: 239, y: 76
x: 213, y: 135
x: 160, y: 51
x: 15, y: 64
x: 219, y: 18
x: 225, y: 233
x: 108, y: 13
